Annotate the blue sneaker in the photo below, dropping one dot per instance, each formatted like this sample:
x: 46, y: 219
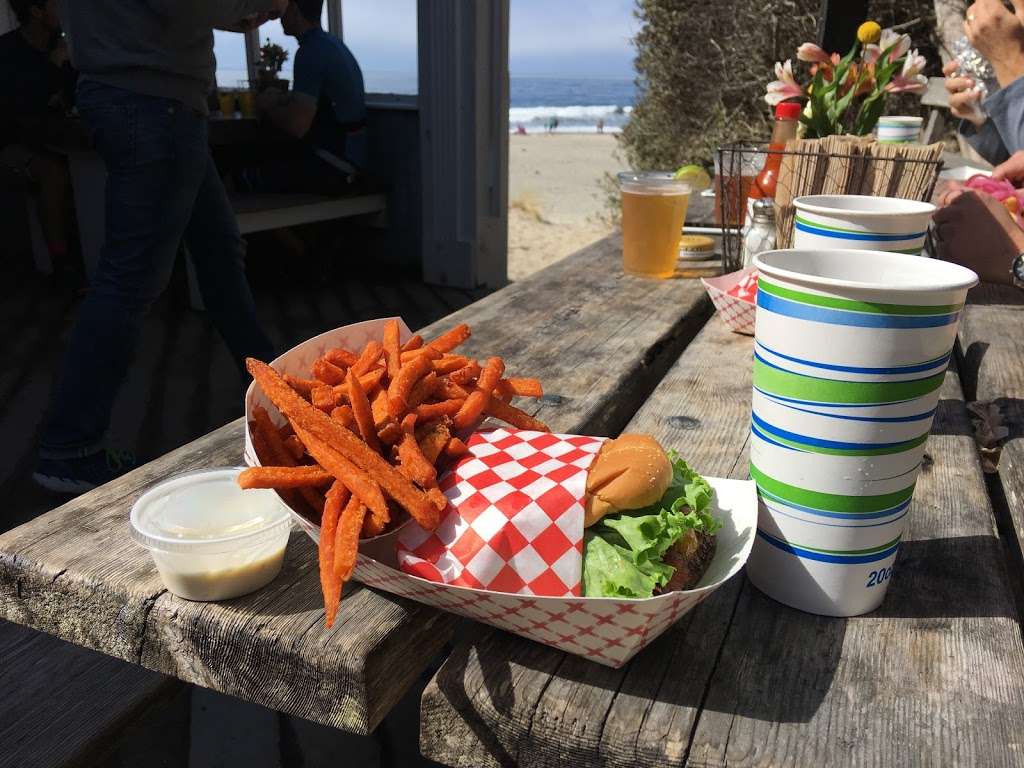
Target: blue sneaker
x: 80, y: 474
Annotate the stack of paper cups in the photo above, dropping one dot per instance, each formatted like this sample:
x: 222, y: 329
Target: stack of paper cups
x: 851, y: 349
x: 899, y: 130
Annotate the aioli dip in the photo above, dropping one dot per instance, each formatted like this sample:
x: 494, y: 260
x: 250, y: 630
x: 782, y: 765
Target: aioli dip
x: 211, y: 540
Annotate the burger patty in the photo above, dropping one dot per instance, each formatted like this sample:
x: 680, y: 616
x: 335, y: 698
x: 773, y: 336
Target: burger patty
x: 690, y: 556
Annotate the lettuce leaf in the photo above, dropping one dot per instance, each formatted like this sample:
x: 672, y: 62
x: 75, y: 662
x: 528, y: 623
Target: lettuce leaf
x: 622, y: 555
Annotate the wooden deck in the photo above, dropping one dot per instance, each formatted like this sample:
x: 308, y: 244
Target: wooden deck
x: 184, y: 383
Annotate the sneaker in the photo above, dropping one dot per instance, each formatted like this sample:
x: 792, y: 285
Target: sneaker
x: 78, y: 475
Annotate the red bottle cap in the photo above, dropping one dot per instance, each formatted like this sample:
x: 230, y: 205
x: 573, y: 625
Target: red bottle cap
x: 788, y: 110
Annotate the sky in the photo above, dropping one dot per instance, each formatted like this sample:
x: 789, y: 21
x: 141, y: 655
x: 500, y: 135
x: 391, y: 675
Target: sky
x: 588, y: 38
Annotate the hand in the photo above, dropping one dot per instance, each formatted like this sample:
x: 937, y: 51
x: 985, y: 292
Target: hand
x: 998, y: 35
x: 963, y: 98
x: 1012, y: 170
x: 946, y: 192
x: 977, y: 231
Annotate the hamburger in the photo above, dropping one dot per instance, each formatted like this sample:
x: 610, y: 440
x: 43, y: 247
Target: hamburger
x: 648, y: 529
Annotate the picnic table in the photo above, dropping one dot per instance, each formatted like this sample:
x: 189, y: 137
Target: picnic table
x: 935, y: 676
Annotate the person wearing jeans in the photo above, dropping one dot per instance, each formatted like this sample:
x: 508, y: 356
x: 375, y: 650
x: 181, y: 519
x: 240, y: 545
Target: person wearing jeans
x: 146, y: 68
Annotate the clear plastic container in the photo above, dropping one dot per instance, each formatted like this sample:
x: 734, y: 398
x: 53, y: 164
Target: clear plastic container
x: 211, y: 540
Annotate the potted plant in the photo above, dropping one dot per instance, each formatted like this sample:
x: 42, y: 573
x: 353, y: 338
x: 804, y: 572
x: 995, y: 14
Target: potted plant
x: 847, y: 94
x: 268, y: 68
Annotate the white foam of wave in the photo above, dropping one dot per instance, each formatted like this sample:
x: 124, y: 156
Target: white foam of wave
x: 536, y: 130
x: 570, y: 112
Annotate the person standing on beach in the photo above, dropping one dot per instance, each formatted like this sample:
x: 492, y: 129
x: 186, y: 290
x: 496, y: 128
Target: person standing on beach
x: 600, y: 125
x: 145, y: 71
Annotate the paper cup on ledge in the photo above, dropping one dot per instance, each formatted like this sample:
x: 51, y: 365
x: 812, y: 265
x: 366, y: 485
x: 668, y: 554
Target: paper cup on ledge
x: 539, y: 477
x: 850, y: 353
x: 861, y: 222
x: 899, y: 130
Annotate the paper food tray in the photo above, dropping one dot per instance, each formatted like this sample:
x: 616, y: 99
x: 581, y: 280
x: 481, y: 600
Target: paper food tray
x: 609, y: 631
x: 738, y: 315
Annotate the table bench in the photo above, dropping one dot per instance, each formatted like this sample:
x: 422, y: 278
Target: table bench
x: 993, y: 350
x: 746, y: 680
x: 75, y: 573
x: 51, y: 687
x: 935, y: 676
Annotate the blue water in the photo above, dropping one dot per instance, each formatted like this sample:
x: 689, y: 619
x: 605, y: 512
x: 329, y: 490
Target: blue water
x: 577, y: 102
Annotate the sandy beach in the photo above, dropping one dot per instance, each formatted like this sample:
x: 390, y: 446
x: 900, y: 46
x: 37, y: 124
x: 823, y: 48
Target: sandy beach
x: 556, y: 202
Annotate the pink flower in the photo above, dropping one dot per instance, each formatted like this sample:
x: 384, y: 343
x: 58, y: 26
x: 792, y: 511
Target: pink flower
x: 910, y: 79
x: 899, y: 44
x: 812, y: 53
x: 785, y: 86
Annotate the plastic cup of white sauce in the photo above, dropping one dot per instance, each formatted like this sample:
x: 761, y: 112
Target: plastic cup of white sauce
x: 211, y: 540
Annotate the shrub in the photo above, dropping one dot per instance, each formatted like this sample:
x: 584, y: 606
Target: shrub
x: 702, y: 67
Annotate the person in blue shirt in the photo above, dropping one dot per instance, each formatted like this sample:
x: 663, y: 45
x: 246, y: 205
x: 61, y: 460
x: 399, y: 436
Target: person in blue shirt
x: 326, y: 108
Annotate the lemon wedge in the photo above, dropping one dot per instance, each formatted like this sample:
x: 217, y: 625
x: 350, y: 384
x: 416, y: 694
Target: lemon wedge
x: 695, y: 176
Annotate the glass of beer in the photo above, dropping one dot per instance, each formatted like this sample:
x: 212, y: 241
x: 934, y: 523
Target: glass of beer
x: 653, y: 211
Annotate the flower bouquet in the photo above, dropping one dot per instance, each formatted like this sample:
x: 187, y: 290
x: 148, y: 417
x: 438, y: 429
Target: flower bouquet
x: 847, y: 94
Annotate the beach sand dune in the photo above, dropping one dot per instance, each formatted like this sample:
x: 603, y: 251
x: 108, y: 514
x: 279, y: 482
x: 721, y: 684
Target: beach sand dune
x: 556, y: 202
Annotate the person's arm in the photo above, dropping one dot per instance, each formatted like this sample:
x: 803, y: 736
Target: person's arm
x: 221, y: 14
x: 977, y: 231
x: 1005, y: 110
x: 294, y: 112
x: 986, y: 140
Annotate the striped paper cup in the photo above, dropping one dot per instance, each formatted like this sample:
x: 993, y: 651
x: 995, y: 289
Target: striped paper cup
x: 898, y: 130
x: 861, y: 222
x: 850, y: 352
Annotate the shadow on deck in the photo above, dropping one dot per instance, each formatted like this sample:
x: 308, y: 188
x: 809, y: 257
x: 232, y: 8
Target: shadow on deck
x: 183, y: 382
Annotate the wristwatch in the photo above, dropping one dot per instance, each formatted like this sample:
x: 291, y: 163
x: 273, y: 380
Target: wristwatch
x: 1017, y: 271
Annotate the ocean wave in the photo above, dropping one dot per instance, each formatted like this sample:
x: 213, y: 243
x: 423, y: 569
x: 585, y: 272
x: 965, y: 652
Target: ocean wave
x: 574, y: 113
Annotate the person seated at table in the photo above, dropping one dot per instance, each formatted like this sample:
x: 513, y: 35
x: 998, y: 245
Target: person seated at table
x: 976, y: 230
x: 39, y: 85
x: 326, y: 110
x: 996, y: 128
x: 146, y: 71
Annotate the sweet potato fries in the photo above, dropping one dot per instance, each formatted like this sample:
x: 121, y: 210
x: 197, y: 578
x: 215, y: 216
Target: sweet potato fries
x: 373, y: 429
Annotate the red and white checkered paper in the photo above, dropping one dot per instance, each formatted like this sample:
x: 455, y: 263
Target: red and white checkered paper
x: 514, y: 521
x: 735, y: 297
x: 609, y: 631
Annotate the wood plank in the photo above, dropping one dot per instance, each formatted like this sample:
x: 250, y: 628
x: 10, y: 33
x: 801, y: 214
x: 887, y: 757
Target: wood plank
x: 63, y: 704
x: 501, y: 700
x: 275, y: 211
x: 993, y: 355
x: 74, y: 572
x: 744, y: 680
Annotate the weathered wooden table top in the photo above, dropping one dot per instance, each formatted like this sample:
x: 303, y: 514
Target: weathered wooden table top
x: 600, y: 341
x: 934, y: 677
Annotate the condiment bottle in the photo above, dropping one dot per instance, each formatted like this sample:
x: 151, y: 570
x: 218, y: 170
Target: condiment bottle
x: 760, y: 236
x: 787, y: 120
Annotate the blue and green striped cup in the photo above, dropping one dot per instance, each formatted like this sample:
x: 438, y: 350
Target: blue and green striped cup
x: 850, y: 352
x: 861, y: 223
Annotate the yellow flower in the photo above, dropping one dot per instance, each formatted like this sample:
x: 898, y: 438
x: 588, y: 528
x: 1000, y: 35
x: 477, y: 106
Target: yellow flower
x: 869, y: 32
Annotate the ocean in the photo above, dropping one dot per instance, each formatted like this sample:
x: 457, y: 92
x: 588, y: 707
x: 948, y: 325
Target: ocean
x: 578, y: 103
